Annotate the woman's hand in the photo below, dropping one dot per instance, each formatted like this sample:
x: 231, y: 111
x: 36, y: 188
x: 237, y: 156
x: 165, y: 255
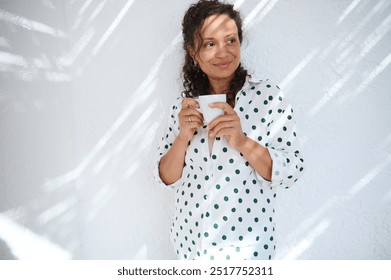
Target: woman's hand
x: 227, y: 125
x: 189, y: 119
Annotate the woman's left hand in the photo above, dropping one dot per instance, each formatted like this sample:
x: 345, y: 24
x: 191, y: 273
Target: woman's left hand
x: 227, y: 125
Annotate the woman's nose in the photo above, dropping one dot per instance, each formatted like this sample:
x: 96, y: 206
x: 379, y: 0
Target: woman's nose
x: 221, y: 51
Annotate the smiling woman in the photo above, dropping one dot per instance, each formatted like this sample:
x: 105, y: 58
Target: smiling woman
x: 226, y: 174
x: 219, y: 54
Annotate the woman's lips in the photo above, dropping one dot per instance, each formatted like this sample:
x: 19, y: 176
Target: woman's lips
x: 223, y: 65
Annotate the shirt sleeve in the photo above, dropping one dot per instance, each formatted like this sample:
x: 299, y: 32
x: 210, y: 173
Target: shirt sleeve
x: 166, y: 141
x: 283, y: 144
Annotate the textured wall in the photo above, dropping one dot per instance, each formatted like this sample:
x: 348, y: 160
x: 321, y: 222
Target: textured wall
x: 85, y: 89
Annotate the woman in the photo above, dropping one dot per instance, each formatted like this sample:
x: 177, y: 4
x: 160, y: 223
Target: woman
x: 225, y: 174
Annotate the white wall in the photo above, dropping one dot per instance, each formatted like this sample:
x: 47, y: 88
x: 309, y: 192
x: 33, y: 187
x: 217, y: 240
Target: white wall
x: 85, y: 89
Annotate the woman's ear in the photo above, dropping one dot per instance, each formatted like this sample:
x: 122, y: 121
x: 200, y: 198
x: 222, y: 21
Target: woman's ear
x: 191, y: 52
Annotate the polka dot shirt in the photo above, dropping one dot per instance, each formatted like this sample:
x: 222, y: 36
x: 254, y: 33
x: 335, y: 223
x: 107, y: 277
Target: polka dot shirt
x: 223, y: 208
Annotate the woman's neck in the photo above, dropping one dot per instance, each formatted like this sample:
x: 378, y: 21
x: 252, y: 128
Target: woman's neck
x: 218, y: 86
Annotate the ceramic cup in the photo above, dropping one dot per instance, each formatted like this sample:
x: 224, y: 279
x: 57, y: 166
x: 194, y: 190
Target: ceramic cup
x: 211, y: 113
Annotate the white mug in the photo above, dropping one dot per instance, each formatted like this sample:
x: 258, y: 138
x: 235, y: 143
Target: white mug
x: 211, y: 113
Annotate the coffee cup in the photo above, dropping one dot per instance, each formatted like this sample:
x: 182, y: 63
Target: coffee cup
x: 211, y: 113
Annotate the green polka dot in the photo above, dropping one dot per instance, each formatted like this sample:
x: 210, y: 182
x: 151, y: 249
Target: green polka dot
x: 215, y: 226
x: 227, y: 257
x: 266, y: 246
x: 216, y: 206
x: 226, y: 198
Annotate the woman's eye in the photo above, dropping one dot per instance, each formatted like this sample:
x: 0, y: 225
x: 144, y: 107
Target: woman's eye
x: 209, y: 44
x: 231, y: 40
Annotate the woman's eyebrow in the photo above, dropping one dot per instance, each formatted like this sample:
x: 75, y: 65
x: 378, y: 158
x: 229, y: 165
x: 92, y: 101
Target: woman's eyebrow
x: 212, y: 38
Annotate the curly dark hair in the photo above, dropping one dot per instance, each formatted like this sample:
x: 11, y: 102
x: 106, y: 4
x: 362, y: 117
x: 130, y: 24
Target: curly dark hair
x: 195, y: 81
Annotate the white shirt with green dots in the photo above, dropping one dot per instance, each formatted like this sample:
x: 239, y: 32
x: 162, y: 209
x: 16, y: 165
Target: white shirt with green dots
x: 223, y: 208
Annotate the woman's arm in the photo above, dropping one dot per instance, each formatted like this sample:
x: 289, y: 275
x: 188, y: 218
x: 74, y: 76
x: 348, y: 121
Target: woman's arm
x: 172, y: 163
x: 258, y: 157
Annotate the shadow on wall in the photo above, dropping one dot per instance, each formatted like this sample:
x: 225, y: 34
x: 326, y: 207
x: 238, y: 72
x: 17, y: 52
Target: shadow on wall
x: 98, y: 207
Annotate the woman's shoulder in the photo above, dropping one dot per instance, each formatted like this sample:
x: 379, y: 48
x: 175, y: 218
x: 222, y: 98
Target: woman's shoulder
x: 262, y: 87
x: 256, y: 82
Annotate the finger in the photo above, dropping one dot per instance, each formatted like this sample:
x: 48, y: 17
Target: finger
x: 190, y: 102
x: 193, y: 112
x: 219, y: 119
x: 190, y: 112
x: 222, y: 105
x: 227, y: 131
x: 194, y: 125
x: 221, y: 127
x: 192, y: 118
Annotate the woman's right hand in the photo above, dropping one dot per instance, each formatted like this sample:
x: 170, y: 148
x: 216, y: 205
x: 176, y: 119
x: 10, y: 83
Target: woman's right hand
x: 189, y: 119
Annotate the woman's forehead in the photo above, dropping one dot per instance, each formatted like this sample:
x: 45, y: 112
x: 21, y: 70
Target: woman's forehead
x: 218, y: 25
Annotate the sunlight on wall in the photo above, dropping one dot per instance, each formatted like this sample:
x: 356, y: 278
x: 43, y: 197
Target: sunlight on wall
x: 12, y: 59
x: 259, y: 12
x: 30, y: 24
x: 373, y: 173
x: 56, y: 211
x: 347, y: 11
x: 112, y: 27
x: 299, y: 67
x: 307, y: 241
x: 343, y: 46
x: 25, y: 244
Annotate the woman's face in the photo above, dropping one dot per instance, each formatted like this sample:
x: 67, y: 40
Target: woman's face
x: 219, y: 55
